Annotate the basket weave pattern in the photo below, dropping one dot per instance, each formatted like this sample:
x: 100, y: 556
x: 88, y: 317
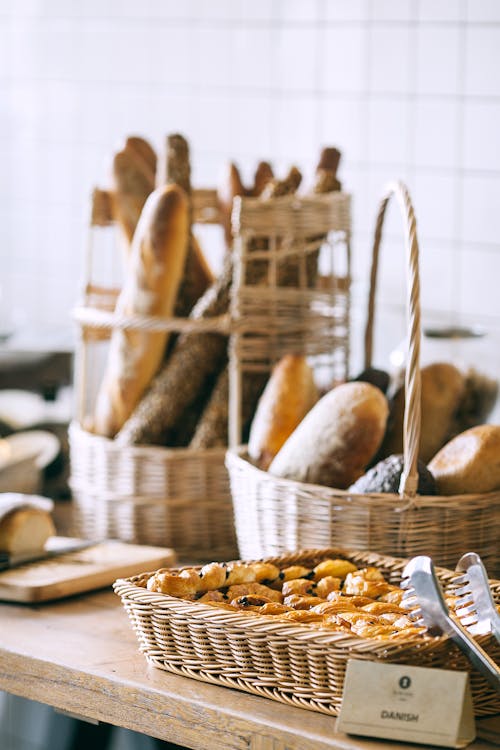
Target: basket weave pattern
x: 298, y: 663
x: 274, y: 515
x: 152, y: 495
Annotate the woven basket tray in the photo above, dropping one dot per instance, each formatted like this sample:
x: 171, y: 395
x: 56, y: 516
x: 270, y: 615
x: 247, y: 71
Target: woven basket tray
x: 274, y: 516
x: 298, y: 664
x: 181, y: 497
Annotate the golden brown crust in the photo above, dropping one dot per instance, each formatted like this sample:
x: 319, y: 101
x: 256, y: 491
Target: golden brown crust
x: 337, y: 439
x: 470, y: 463
x: 442, y: 389
x: 133, y: 180
x: 289, y: 395
x: 357, y: 615
x: 155, y: 272
x: 101, y: 208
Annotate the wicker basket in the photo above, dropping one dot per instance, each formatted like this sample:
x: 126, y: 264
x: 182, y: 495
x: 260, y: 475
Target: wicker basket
x: 274, y: 515
x: 298, y: 663
x: 181, y: 497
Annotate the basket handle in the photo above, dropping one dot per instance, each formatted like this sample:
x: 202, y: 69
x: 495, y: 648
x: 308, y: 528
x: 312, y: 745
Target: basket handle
x: 412, y: 414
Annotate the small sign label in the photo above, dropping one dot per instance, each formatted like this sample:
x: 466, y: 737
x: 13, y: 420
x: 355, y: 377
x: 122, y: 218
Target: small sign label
x: 414, y: 704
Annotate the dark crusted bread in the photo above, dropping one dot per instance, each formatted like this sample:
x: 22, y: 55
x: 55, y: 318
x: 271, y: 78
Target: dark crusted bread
x: 386, y: 475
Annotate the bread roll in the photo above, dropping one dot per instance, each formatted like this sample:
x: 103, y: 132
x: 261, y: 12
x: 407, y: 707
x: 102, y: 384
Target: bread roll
x: 337, y: 439
x: 470, y: 463
x: 25, y: 530
x: 288, y: 396
x: 133, y: 180
x: 443, y: 387
x: 155, y: 271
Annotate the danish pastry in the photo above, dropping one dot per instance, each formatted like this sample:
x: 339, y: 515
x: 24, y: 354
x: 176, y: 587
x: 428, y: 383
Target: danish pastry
x: 334, y: 594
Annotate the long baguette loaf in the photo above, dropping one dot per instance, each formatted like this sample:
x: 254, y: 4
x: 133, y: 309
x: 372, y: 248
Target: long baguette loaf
x: 197, y: 275
x: 133, y: 180
x: 155, y: 270
x: 194, y: 361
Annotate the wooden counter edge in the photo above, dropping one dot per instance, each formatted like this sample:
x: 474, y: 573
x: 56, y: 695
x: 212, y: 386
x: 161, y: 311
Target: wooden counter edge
x: 240, y: 721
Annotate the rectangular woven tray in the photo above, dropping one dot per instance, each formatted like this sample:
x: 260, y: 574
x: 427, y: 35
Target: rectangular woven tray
x: 299, y: 664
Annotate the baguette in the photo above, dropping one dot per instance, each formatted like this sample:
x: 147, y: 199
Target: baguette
x: 155, y: 270
x: 197, y: 275
x: 133, y: 180
x: 194, y: 361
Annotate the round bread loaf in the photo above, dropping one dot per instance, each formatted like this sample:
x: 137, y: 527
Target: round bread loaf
x: 470, y: 463
x: 443, y: 387
x: 337, y: 439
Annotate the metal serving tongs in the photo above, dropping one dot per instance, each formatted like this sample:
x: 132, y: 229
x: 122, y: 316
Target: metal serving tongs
x: 475, y: 607
x: 424, y: 597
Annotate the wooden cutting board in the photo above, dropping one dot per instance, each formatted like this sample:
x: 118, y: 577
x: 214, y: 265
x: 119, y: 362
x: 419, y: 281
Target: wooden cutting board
x: 92, y: 568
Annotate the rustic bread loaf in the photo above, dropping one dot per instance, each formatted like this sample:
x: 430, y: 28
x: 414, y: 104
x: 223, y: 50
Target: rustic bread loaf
x: 443, y: 387
x: 470, y: 463
x: 386, y: 477
x: 289, y: 395
x: 337, y: 439
x: 154, y: 274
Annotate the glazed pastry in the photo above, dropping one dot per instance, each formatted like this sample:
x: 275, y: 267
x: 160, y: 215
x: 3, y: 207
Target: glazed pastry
x: 295, y: 571
x: 257, y: 589
x: 335, y: 568
x: 325, y: 586
x: 300, y: 586
x: 184, y: 584
x: 250, y: 601
x: 376, y: 614
x: 296, y: 601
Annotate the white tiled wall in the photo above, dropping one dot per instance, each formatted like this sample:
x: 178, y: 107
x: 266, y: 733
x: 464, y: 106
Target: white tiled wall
x: 405, y: 88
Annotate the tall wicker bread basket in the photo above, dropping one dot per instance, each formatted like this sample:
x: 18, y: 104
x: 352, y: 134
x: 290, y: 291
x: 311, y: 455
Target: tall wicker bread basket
x: 175, y: 497
x: 180, y: 497
x: 274, y: 515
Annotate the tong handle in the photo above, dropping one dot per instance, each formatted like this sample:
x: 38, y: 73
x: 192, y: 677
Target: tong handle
x: 476, y: 655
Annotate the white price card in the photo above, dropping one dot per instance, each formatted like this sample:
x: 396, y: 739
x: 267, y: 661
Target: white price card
x: 413, y: 704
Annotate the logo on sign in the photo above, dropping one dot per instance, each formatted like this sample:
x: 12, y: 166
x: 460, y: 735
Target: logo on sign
x: 404, y: 682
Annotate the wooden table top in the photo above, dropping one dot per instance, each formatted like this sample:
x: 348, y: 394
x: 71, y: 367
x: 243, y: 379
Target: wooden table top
x: 80, y: 655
